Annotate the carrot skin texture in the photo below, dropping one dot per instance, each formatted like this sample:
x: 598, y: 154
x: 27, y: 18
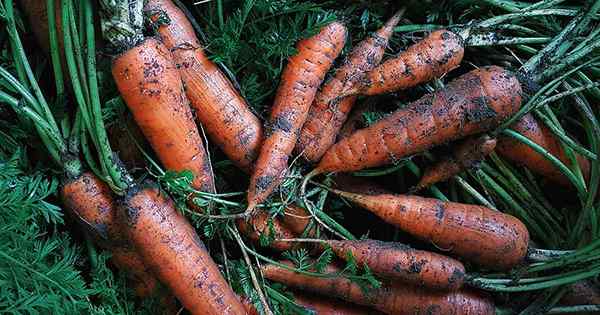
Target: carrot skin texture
x: 324, y: 306
x: 397, y: 299
x: 328, y: 111
x: 438, y: 53
x: 91, y: 202
x: 151, y: 87
x: 219, y: 107
x: 475, y: 102
x: 584, y: 292
x: 399, y: 262
x: 299, y: 83
x: 483, y: 236
x: 169, y: 245
x: 518, y: 152
x: 467, y: 154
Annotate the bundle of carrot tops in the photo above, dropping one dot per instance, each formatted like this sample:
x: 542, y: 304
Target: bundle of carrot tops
x: 299, y: 157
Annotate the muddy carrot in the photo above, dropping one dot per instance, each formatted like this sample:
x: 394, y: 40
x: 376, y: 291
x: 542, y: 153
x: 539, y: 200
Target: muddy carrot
x: 436, y: 54
x: 324, y: 306
x: 151, y: 87
x: 467, y: 154
x: 299, y: 83
x: 521, y: 153
x: 328, y: 111
x: 399, y: 262
x: 393, y: 298
x: 169, y: 245
x: 483, y: 236
x: 356, y: 119
x: 475, y: 102
x: 222, y: 111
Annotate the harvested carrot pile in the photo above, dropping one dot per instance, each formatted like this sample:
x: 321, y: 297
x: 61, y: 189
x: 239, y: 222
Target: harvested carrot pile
x: 300, y: 157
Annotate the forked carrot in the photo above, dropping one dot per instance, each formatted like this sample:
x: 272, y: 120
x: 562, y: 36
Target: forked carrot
x: 221, y: 110
x: 299, y: 83
x: 401, y: 263
x: 466, y: 154
x: 169, y: 245
x: 391, y: 298
x: 473, y: 103
x: 521, y: 153
x: 486, y: 237
x: 328, y: 111
x: 151, y: 86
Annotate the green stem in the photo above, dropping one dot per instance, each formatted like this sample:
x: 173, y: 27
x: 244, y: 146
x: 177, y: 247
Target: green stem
x: 575, y: 309
x: 54, y: 49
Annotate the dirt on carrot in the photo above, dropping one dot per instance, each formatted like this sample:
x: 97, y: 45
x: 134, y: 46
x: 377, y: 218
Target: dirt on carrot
x: 299, y: 83
x: 151, y: 86
x: 475, y: 102
x: 477, y: 234
x: 219, y: 107
x: 325, y: 306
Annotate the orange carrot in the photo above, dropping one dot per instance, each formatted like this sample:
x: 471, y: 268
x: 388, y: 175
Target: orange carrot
x: 328, y: 111
x: 223, y: 112
x: 248, y: 306
x: 399, y: 262
x: 466, y: 154
x: 37, y: 14
x: 360, y: 185
x: 299, y: 82
x: 489, y: 238
x: 291, y: 225
x: 356, y: 119
x: 521, y: 153
x: 473, y: 103
x: 91, y: 202
x: 324, y: 306
x: 169, y: 245
x: 438, y: 53
x: 392, y: 298
x: 152, y: 89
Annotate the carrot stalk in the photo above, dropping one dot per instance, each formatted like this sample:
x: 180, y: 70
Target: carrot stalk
x: 486, y: 237
x: 151, y: 87
x: 475, y: 102
x: 220, y: 109
x: 521, y: 153
x: 467, y: 154
x: 299, y: 83
x: 393, y: 298
x: 438, y: 53
x: 328, y: 111
x: 399, y: 262
x: 169, y: 245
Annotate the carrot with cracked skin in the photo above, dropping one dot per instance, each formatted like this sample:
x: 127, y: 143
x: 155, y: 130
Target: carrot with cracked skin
x: 222, y: 111
x: 91, y: 202
x: 435, y: 55
x: 299, y: 83
x: 328, y: 111
x: 480, y: 235
x: 151, y: 86
x: 398, y: 262
x: 325, y: 306
x: 169, y: 245
x: 466, y: 154
x: 391, y: 298
x: 475, y: 102
x: 518, y: 152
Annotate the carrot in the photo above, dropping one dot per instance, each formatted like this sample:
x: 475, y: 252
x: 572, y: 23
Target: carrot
x: 521, y: 153
x: 37, y: 15
x: 475, y: 102
x: 584, y: 292
x: 248, y: 306
x: 328, y: 112
x: 356, y: 119
x: 466, y: 154
x: 354, y: 184
x: 169, y: 245
x: 91, y: 202
x: 152, y: 89
x: 299, y: 82
x: 399, y: 262
x: 324, y: 306
x: 438, y: 53
x: 293, y: 223
x: 392, y: 298
x: 221, y: 110
x: 486, y: 237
